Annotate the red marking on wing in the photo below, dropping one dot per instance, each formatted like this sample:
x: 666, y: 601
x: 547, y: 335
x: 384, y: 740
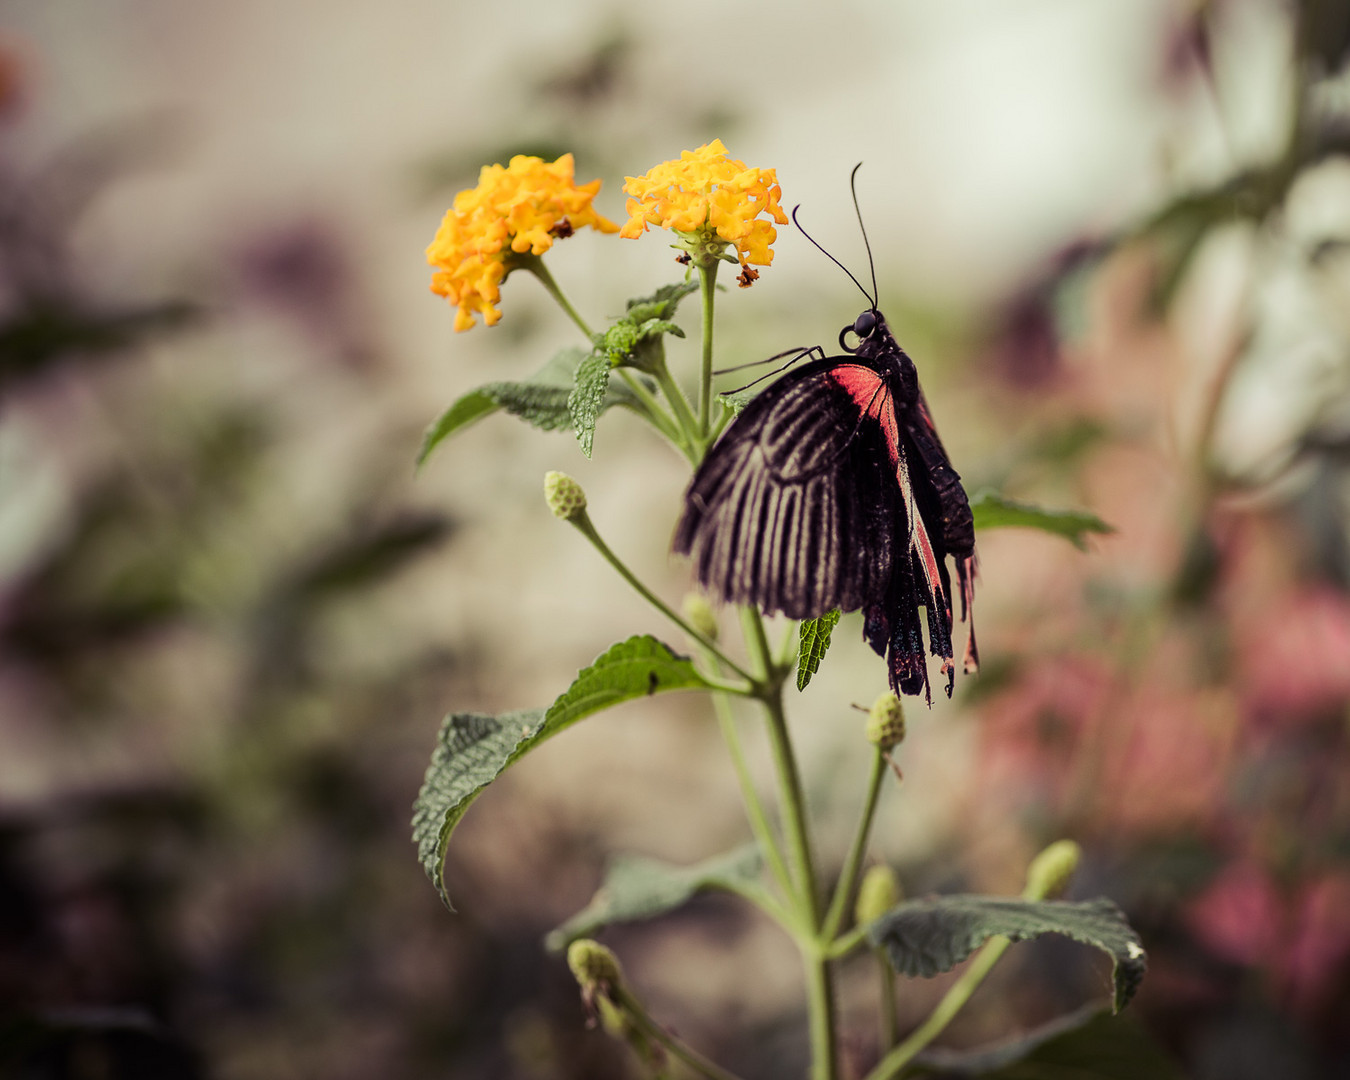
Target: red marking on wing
x: 925, y: 547
x: 873, y: 397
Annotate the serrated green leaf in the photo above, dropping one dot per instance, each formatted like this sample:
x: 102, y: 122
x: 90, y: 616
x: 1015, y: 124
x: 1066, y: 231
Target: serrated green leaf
x: 472, y: 406
x: 815, y: 641
x: 541, y: 400
x: 656, y: 327
x: 472, y: 750
x: 926, y: 937
x: 638, y: 888
x: 662, y: 303
x: 1085, y: 1045
x: 586, y: 401
x: 993, y: 511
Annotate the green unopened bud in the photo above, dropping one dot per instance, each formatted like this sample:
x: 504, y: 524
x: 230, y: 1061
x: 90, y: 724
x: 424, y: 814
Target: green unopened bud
x: 1049, y: 873
x: 564, y: 495
x: 878, y: 893
x: 700, y: 615
x: 886, y: 722
x: 595, y: 967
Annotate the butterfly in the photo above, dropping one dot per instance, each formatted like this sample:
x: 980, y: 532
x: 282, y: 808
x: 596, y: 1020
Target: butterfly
x: 832, y: 490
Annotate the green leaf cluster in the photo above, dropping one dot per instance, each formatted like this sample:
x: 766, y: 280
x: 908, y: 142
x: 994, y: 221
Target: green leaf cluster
x: 634, y: 340
x: 541, y: 401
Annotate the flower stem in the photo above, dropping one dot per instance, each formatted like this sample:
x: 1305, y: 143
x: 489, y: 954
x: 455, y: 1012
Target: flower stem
x: 586, y: 527
x: 890, y: 1034
x: 951, y: 1004
x: 848, y: 878
x: 754, y: 807
x: 707, y: 278
x: 819, y: 979
x: 637, y: 1015
x: 535, y: 266
x: 684, y: 416
x: 651, y: 409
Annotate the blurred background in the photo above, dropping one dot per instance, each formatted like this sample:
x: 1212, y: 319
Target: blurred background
x: 1114, y: 236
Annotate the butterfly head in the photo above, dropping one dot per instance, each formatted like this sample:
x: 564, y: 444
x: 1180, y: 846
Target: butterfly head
x: 876, y: 345
x: 864, y: 328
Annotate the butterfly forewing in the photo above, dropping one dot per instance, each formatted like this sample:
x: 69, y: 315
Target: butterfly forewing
x: 792, y: 509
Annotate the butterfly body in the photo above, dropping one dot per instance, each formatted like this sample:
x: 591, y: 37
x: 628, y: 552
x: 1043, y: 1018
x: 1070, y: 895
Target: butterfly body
x: 833, y: 490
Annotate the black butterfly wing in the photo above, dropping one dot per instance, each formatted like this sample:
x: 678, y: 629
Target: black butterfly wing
x: 796, y: 508
x: 952, y: 517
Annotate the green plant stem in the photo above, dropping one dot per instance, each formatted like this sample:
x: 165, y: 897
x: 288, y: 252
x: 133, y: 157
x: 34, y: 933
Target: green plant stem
x: 847, y: 943
x: 652, y: 410
x: 890, y: 1032
x: 819, y: 978
x: 668, y: 426
x: 848, y: 878
x: 535, y: 265
x: 754, y: 807
x: 707, y: 279
x: 787, y: 651
x: 638, y: 1017
x: 952, y: 1002
x: 761, y: 898
x: 684, y: 416
x: 583, y: 524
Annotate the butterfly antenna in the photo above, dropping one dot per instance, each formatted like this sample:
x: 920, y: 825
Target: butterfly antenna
x: 870, y: 299
x: 853, y: 187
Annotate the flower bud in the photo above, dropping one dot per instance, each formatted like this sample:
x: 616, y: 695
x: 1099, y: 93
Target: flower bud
x: 595, y: 967
x: 564, y: 495
x: 1049, y: 873
x: 878, y: 893
x: 700, y: 615
x: 886, y: 722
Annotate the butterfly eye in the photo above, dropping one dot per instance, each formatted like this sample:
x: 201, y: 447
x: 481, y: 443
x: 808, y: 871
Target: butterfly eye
x: 864, y: 324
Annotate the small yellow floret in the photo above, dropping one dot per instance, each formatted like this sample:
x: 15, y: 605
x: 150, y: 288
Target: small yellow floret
x: 706, y: 191
x: 518, y: 208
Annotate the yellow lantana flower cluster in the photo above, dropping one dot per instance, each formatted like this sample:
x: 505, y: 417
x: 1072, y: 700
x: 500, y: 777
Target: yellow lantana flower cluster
x: 706, y: 192
x: 517, y: 209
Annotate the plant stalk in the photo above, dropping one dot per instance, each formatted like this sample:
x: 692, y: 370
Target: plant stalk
x: 818, y: 976
x: 707, y: 279
x: 584, y: 525
x: 848, y: 878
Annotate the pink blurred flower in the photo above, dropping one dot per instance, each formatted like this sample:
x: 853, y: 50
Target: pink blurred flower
x: 1295, y: 653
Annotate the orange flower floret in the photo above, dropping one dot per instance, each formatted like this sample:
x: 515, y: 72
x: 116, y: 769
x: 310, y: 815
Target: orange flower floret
x: 708, y: 191
x: 515, y: 209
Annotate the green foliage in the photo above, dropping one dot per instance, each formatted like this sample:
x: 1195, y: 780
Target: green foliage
x: 994, y: 511
x: 634, y: 340
x: 926, y: 937
x: 638, y: 888
x: 472, y: 750
x: 662, y: 303
x: 541, y: 400
x: 815, y: 641
x: 586, y: 401
x: 1085, y: 1045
